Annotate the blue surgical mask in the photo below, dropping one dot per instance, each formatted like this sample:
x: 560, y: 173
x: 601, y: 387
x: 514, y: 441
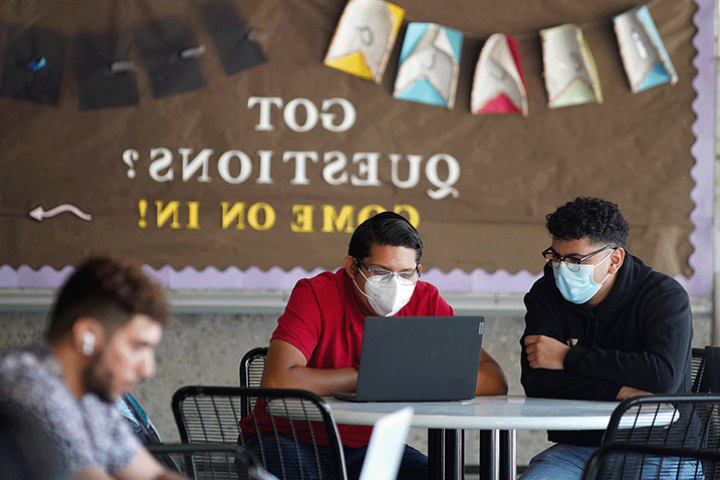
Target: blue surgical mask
x: 577, y: 287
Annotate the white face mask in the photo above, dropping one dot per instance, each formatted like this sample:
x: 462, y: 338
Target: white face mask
x: 387, y: 294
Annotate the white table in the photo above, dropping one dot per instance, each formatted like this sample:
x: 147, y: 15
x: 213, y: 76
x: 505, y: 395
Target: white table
x: 497, y: 417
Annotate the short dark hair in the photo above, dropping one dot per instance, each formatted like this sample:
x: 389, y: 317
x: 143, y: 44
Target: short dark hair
x: 111, y: 290
x: 595, y: 218
x: 386, y: 228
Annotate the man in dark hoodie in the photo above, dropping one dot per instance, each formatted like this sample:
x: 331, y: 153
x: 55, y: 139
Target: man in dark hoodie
x: 600, y: 325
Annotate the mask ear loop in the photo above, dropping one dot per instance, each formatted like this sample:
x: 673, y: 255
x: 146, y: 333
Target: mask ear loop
x: 608, y: 273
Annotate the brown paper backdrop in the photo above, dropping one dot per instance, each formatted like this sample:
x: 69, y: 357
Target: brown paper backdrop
x: 633, y: 149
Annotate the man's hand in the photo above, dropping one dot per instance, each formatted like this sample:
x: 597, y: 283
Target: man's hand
x: 545, y: 352
x: 627, y: 392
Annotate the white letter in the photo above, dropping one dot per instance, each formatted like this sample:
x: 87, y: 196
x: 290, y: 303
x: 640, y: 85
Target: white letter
x: 300, y: 162
x: 413, y: 173
x: 444, y: 188
x: 201, y: 160
x: 265, y: 102
x: 369, y: 169
x: 165, y: 161
x: 224, y: 166
x: 348, y: 118
x: 311, y: 116
x: 335, y: 166
x: 265, y: 157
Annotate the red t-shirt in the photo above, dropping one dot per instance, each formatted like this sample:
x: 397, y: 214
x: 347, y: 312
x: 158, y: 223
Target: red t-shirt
x: 323, y: 320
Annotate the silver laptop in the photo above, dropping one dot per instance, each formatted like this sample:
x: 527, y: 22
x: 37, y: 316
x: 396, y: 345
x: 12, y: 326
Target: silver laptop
x: 415, y: 359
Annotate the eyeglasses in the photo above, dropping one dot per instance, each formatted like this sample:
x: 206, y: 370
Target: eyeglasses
x: 573, y: 263
x: 387, y: 275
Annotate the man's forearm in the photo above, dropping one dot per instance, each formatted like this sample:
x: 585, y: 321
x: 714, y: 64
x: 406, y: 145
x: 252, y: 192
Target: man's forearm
x: 322, y: 381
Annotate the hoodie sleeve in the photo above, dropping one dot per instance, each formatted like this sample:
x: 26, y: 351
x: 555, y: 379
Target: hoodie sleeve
x: 544, y: 318
x: 660, y: 365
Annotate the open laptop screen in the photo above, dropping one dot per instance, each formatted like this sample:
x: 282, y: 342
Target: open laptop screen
x: 419, y: 359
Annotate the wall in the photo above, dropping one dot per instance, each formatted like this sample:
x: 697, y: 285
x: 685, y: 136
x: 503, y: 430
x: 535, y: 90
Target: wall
x: 205, y: 349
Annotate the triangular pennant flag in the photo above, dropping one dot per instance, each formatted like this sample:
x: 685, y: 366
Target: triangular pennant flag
x: 571, y: 77
x: 171, y: 56
x: 233, y: 39
x: 499, y: 86
x: 429, y: 65
x: 364, y: 37
x: 34, y: 65
x: 104, y: 73
x: 643, y: 53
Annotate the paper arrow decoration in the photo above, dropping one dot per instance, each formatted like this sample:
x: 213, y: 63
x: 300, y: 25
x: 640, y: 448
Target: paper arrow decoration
x: 429, y: 64
x: 39, y: 212
x: 570, y: 74
x: 499, y: 86
x: 643, y: 53
x: 364, y: 37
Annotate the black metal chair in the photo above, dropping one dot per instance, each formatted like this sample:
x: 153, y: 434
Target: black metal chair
x: 209, y: 461
x: 251, y: 372
x: 682, y: 421
x: 296, y: 419
x: 647, y: 462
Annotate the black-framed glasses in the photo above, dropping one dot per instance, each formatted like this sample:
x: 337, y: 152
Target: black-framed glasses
x: 573, y: 263
x: 387, y: 275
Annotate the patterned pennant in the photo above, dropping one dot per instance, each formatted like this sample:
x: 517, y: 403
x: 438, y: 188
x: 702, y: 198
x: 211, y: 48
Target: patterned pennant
x: 429, y: 64
x: 571, y: 77
x: 499, y: 86
x: 364, y: 38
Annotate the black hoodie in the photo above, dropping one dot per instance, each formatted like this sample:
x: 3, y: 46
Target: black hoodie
x: 639, y: 336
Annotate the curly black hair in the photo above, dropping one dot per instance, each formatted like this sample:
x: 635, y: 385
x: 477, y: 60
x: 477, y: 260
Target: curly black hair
x: 595, y: 218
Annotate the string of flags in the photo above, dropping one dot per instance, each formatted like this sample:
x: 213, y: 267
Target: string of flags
x: 364, y: 38
x: 34, y: 59
x: 429, y: 61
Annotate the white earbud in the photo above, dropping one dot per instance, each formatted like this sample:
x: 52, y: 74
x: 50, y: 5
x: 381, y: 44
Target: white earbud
x: 88, y: 345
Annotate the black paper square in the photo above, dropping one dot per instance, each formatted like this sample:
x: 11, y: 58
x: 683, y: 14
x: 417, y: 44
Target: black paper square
x: 168, y: 46
x: 231, y: 36
x: 34, y: 65
x: 105, y: 77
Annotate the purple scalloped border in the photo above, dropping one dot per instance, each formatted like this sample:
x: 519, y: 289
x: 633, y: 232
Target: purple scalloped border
x: 702, y: 195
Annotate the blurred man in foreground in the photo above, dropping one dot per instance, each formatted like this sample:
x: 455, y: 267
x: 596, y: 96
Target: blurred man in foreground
x: 105, y: 325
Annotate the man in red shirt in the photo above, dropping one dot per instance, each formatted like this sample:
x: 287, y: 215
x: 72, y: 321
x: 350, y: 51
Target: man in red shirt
x: 316, y: 345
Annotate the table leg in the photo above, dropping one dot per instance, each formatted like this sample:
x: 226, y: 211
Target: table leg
x: 446, y: 454
x: 436, y: 457
x: 497, y: 455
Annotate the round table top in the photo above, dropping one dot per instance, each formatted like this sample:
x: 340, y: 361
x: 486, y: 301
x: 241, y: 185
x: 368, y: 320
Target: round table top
x: 485, y: 413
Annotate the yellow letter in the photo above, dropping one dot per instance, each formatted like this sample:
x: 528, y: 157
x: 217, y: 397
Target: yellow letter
x: 237, y: 210
x: 269, y: 216
x: 304, y: 218
x: 334, y: 222
x: 367, y: 212
x: 193, y: 215
x: 413, y: 214
x: 163, y: 214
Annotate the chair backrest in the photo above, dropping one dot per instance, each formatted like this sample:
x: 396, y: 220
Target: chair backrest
x: 251, y: 371
x: 209, y: 462
x: 631, y: 462
x: 284, y: 423
x: 688, y: 421
x: 697, y: 375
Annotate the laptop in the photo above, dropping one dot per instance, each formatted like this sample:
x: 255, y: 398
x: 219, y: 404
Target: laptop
x: 384, y: 453
x: 387, y: 445
x: 416, y: 359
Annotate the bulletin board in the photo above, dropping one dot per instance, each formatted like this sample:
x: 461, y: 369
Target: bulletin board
x: 251, y: 169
